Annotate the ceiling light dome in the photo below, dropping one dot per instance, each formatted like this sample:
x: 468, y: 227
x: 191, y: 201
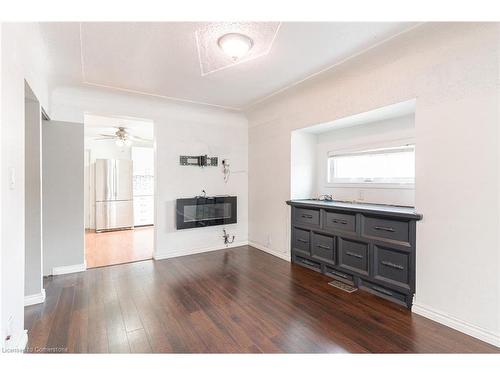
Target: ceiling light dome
x: 235, y: 45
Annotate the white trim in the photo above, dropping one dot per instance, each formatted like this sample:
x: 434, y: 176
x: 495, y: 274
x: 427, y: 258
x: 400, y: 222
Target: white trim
x: 158, y: 255
x: 370, y: 185
x: 270, y: 251
x: 459, y: 325
x: 63, y: 270
x: 17, y: 343
x: 34, y: 299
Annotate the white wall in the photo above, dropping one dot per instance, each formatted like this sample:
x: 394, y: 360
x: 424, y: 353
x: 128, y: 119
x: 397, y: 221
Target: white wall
x: 62, y: 196
x: 303, y: 165
x: 453, y: 71
x: 23, y: 57
x: 180, y: 129
x: 378, y: 134
x: 33, y: 198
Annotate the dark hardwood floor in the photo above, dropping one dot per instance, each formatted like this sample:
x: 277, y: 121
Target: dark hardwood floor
x: 237, y: 300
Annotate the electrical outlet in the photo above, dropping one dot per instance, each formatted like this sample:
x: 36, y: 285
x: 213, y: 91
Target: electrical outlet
x: 361, y: 195
x: 12, y: 178
x: 9, y: 328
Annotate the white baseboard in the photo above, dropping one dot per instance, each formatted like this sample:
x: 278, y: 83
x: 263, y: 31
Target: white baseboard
x: 158, y: 255
x: 34, y: 299
x: 459, y: 325
x: 270, y: 251
x: 63, y: 270
x: 17, y: 343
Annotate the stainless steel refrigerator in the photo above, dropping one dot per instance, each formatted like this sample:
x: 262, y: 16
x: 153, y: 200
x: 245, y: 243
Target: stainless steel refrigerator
x: 114, y: 205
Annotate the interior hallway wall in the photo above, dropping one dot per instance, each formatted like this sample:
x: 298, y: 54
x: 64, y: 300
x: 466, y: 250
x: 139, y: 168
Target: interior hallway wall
x: 23, y: 58
x: 452, y: 69
x: 33, y: 190
x: 180, y: 129
x: 63, y: 196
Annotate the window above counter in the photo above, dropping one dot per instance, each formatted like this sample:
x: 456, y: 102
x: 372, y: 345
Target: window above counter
x: 384, y: 167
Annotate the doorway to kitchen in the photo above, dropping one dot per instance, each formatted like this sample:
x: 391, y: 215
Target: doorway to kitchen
x: 119, y: 190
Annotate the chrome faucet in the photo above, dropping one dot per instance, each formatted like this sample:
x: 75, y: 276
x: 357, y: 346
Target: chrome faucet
x: 325, y: 197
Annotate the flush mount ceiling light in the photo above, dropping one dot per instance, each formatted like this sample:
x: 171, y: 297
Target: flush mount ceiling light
x: 225, y: 44
x: 235, y: 45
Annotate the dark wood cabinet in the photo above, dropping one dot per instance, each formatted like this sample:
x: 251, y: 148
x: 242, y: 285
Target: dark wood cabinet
x: 323, y: 248
x: 368, y: 246
x: 353, y: 256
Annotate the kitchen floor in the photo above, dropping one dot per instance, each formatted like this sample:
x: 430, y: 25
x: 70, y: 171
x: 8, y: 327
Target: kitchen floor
x: 109, y: 248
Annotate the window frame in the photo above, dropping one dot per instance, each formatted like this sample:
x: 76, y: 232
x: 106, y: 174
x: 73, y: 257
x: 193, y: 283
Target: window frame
x: 367, y: 149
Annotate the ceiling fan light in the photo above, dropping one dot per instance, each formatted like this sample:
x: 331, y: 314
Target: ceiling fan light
x: 119, y: 142
x: 128, y: 142
x: 235, y: 45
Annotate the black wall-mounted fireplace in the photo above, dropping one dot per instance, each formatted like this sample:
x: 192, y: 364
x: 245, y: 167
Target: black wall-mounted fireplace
x: 206, y: 211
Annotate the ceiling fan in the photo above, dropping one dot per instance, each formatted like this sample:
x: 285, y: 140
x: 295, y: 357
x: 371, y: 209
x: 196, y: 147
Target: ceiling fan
x: 122, y: 137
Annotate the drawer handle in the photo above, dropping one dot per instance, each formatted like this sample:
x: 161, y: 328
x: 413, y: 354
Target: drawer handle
x: 383, y: 291
x: 354, y: 255
x: 324, y: 247
x: 307, y: 216
x: 302, y: 240
x: 392, y: 265
x: 385, y: 229
x: 336, y: 221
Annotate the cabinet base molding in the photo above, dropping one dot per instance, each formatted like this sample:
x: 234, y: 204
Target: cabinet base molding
x: 458, y: 324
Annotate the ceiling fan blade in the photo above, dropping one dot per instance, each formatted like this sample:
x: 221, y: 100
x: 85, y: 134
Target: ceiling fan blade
x: 139, y: 139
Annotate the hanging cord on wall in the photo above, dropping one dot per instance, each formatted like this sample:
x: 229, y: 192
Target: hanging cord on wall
x: 226, y: 170
x: 226, y: 236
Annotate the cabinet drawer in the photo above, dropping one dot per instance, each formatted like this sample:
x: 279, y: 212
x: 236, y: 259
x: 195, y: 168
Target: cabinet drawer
x: 315, y: 266
x: 338, y: 221
x: 322, y: 248
x: 391, y: 266
x: 390, y: 294
x: 353, y: 255
x: 307, y: 216
x: 339, y: 275
x: 395, y: 230
x: 301, y: 240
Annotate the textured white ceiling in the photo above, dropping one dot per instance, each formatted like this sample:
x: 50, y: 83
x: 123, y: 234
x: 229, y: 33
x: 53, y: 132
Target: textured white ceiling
x: 214, y: 59
x: 162, y: 58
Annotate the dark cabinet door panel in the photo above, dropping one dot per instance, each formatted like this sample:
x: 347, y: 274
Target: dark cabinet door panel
x: 391, y: 266
x: 340, y: 221
x: 353, y: 256
x: 322, y: 248
x: 301, y: 241
x: 306, y: 216
x: 386, y: 229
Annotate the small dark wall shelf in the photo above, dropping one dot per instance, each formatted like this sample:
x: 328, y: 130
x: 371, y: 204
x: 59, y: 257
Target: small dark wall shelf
x: 369, y: 246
